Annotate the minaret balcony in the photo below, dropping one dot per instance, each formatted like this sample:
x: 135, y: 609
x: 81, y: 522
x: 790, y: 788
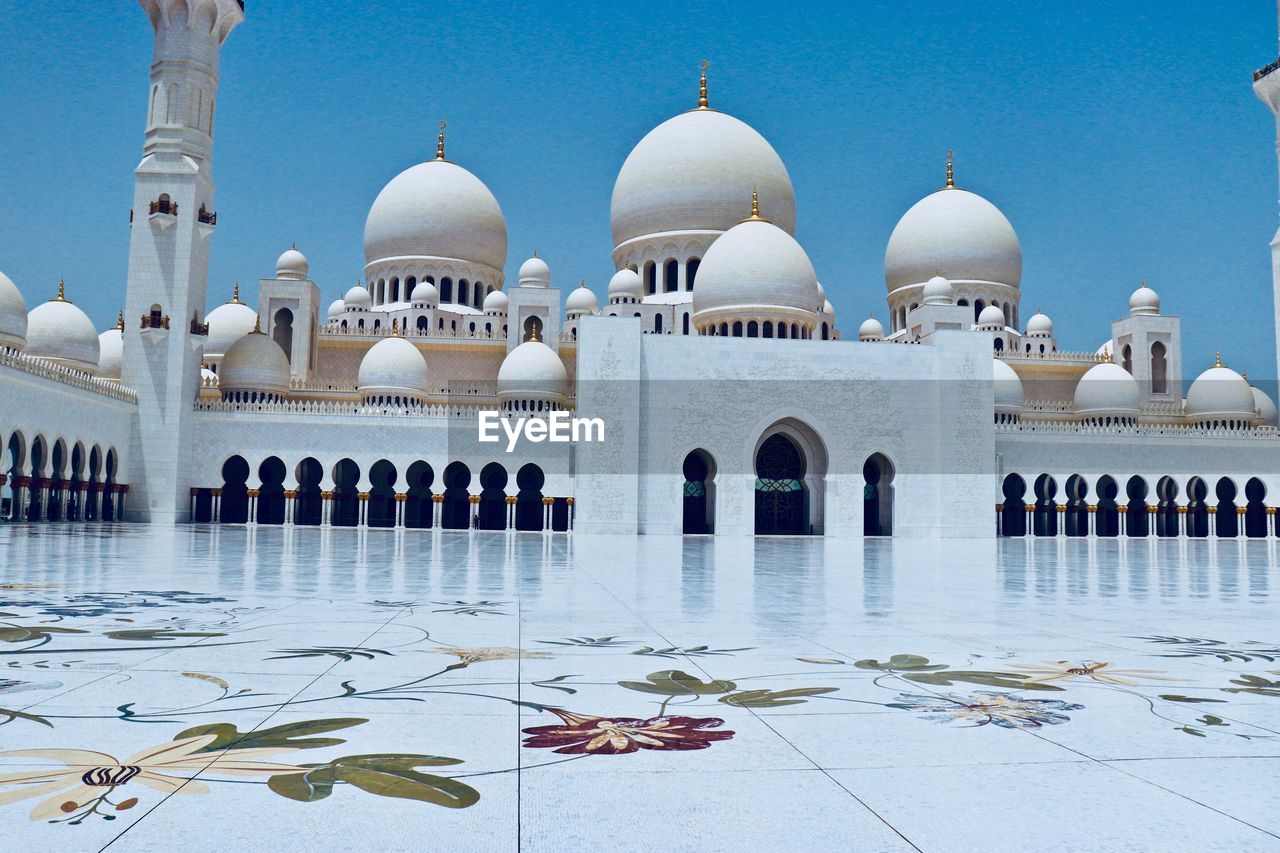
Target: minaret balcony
x: 206, y: 221
x: 1265, y: 70
x: 163, y: 212
x: 155, y: 327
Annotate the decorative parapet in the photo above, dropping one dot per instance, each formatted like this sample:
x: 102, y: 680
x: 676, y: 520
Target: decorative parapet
x: 1078, y: 357
x: 334, y: 330
x: 1066, y: 427
x: 333, y: 408
x: 65, y: 375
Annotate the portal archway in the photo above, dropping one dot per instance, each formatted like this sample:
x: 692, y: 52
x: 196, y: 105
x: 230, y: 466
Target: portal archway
x: 1013, y: 515
x: 382, y: 497
x: 456, y: 511
x: 493, y: 497
x: 235, y: 494
x: 699, y: 493
x: 877, y: 496
x: 529, y: 481
x: 271, y: 494
x: 781, y: 504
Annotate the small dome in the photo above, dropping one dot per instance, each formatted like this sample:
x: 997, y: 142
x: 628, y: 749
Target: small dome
x: 532, y: 371
x: 1009, y: 395
x: 1106, y: 349
x: 425, y: 293
x: 957, y: 232
x: 828, y: 309
x: 1144, y: 300
x: 1107, y: 389
x: 13, y: 314
x: 436, y: 209
x: 581, y: 301
x: 534, y: 273
x: 689, y: 174
x: 358, y: 297
x: 228, y: 323
x: 111, y: 351
x: 60, y: 332
x: 626, y: 284
x: 938, y: 291
x: 1040, y: 326
x: 292, y: 264
x: 822, y: 291
x: 336, y: 307
x: 496, y: 303
x: 754, y: 265
x: 1220, y: 394
x: 255, y: 363
x: 395, y: 367
x: 871, y: 330
x: 1266, y: 408
x: 991, y: 316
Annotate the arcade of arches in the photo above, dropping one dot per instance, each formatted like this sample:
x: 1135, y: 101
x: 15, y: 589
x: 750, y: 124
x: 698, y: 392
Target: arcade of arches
x: 46, y: 480
x: 417, y: 498
x: 1204, y: 507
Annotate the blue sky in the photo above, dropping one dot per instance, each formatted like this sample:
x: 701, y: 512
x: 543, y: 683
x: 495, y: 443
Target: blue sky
x: 1122, y: 139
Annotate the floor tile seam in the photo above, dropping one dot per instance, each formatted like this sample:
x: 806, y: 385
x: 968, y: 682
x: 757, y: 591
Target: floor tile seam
x: 1111, y: 765
x: 279, y: 708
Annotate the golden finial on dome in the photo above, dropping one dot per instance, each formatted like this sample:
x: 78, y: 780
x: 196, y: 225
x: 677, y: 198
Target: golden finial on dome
x: 257, y: 325
x: 703, y: 104
x: 533, y: 333
x: 395, y: 328
x: 755, y: 208
x: 1217, y: 359
x: 62, y: 292
x: 120, y: 320
x: 235, y: 295
x: 440, y: 142
x: 951, y: 175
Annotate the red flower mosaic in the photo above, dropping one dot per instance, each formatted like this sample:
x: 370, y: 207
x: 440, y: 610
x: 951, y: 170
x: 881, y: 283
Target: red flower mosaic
x: 583, y: 735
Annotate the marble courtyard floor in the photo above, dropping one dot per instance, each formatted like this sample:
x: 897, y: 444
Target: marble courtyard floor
x: 242, y: 689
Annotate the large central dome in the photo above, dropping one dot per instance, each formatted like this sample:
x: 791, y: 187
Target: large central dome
x: 436, y: 209
x: 956, y: 234
x: 692, y: 172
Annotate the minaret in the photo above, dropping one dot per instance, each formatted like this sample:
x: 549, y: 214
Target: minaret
x: 172, y: 223
x: 1266, y: 85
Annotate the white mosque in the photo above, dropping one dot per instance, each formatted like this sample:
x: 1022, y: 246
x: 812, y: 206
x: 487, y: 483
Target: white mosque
x: 732, y: 402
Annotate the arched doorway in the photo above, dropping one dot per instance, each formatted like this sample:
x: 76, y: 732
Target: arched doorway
x: 1045, y: 518
x: 1136, y: 514
x: 109, y: 499
x: 1197, y: 509
x: 493, y: 497
x: 38, y: 452
x: 382, y: 495
x: 92, y: 499
x: 13, y: 469
x: 781, y: 504
x: 271, y: 494
x: 308, y: 506
x: 1013, y: 516
x: 1227, y: 521
x: 53, y: 509
x: 1108, y: 512
x: 1166, y: 507
x: 75, y: 497
x: 417, y: 504
x: 529, y: 481
x: 235, y: 494
x: 346, y: 494
x: 1077, y: 507
x: 456, y: 511
x: 877, y: 496
x: 698, y: 492
x: 1255, y: 508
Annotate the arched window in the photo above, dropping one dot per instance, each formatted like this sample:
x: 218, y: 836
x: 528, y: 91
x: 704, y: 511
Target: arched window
x: 1159, y: 368
x: 657, y: 324
x: 737, y: 328
x: 686, y: 322
x: 395, y: 290
x: 978, y: 305
x: 671, y: 275
x: 1127, y: 358
x: 282, y: 334
x: 691, y: 272
x: 650, y: 277
x: 782, y: 330
x: 768, y: 329
x: 824, y: 331
x: 446, y: 289
x: 478, y: 296
x: 464, y: 297
x: 999, y: 344
x: 753, y: 329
